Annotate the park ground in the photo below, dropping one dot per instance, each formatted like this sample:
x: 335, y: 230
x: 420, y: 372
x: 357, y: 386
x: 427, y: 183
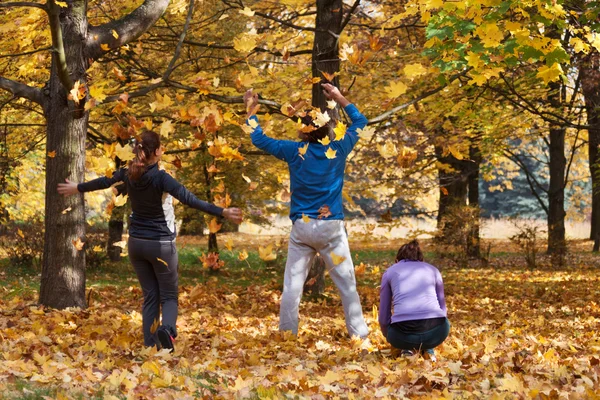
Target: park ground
x: 517, y: 333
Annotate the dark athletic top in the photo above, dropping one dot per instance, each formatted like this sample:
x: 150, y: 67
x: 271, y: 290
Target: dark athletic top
x: 152, y: 214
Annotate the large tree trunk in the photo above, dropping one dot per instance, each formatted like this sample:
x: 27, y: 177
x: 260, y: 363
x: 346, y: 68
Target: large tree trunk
x: 473, y: 241
x: 557, y: 246
x: 63, y: 268
x: 325, y: 58
x: 590, y: 84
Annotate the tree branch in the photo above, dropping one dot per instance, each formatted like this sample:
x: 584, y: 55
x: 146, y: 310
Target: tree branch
x: 25, y: 53
x: 57, y: 43
x: 349, y: 15
x: 171, y: 65
x: 22, y: 90
x: 127, y: 28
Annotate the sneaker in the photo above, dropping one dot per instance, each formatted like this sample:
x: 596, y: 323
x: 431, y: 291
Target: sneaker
x: 407, y: 353
x: 165, y: 338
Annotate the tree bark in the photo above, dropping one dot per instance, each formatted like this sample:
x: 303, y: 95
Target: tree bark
x: 116, y: 224
x: 557, y: 246
x: 590, y: 85
x: 453, y: 187
x: 473, y: 241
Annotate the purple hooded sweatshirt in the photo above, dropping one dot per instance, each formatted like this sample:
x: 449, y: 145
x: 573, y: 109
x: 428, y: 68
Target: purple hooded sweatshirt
x: 414, y: 289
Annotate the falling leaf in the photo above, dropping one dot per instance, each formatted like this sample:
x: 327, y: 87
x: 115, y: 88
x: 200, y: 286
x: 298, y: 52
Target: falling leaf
x: 367, y: 132
x: 395, y: 89
x: 305, y: 218
x: 336, y: 259
x: 328, y: 76
x: 413, y: 71
x: 115, y: 34
x: 20, y: 233
x: 120, y: 244
x: 246, y: 178
x: 78, y: 244
x: 104, y: 47
x: 244, y: 43
x: 330, y: 153
x: 331, y: 104
x: 214, y: 226
x: 52, y: 154
x: 266, y: 253
x: 247, y: 11
x: 98, y: 249
x: 166, y: 128
x: 125, y: 153
x: 78, y: 92
x: 321, y: 119
x: 62, y: 4
x: 120, y: 200
x: 243, y: 255
x: 66, y: 210
x: 162, y: 261
x: 324, y: 211
x: 302, y: 150
x: 229, y: 244
x: 154, y: 326
x: 325, y: 141
x: 339, y: 130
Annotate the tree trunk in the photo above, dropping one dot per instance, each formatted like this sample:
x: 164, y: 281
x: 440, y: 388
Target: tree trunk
x: 325, y: 58
x: 557, y: 246
x: 590, y: 85
x: 4, y: 170
x: 63, y: 267
x: 473, y: 241
x: 115, y: 224
x: 453, y: 187
x: 213, y: 245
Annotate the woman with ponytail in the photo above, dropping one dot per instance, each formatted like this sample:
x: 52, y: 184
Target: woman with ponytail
x: 415, y: 292
x: 152, y: 233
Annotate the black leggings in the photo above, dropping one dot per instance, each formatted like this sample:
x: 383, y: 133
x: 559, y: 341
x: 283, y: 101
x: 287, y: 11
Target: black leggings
x: 156, y: 263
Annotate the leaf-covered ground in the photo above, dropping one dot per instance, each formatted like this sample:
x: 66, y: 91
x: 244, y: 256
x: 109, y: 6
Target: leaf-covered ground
x: 516, y: 333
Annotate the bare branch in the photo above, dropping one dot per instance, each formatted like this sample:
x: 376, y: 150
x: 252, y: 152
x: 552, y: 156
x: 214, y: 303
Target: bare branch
x: 171, y: 65
x: 25, y: 53
x: 125, y: 29
x: 22, y: 90
x: 349, y: 15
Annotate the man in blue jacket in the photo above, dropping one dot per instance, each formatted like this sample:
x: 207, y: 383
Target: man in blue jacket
x: 316, y: 165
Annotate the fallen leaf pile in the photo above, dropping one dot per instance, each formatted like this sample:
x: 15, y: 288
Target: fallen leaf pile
x: 515, y: 334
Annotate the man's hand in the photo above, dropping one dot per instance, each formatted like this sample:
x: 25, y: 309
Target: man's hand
x: 251, y: 103
x: 333, y: 93
x: 233, y: 214
x: 68, y: 188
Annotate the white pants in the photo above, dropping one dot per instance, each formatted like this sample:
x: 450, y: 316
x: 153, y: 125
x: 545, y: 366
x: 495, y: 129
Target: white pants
x: 324, y: 237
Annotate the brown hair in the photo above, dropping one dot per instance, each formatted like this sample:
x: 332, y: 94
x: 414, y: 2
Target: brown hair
x: 410, y: 252
x: 319, y: 132
x: 145, y: 146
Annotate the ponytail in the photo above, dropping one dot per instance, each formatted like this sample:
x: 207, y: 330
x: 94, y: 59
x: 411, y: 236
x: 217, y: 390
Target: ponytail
x: 145, y: 146
x: 410, y: 252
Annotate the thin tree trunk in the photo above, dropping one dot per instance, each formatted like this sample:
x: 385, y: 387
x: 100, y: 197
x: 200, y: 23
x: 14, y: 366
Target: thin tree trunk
x: 213, y: 245
x: 63, y: 267
x: 473, y: 241
x: 115, y: 224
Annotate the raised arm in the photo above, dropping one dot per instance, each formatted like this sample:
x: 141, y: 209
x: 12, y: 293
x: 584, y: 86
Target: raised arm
x: 177, y: 190
x: 385, y: 304
x: 282, y: 149
x: 104, y: 182
x: 359, y: 121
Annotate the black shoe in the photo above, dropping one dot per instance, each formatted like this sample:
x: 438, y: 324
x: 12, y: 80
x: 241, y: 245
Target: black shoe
x: 165, y: 338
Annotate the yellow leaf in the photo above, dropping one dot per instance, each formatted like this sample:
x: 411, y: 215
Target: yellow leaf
x: 166, y: 128
x: 305, y: 218
x: 302, y: 151
x: 151, y: 367
x: 62, y: 4
x: 101, y: 345
x: 579, y: 45
x: 154, y: 326
x: 229, y: 244
x: 78, y: 244
x: 214, y: 226
x: 331, y: 104
x: 246, y: 178
x: 321, y: 118
x: 120, y: 200
x: 97, y: 92
x: 243, y: 255
x: 594, y: 40
x: 336, y: 259
x: 266, y: 253
x: 388, y: 149
x: 120, y: 244
x: 550, y: 74
x: 325, y: 141
x: 20, y: 233
x: 66, y: 210
x: 414, y: 70
x: 52, y: 154
x: 247, y: 11
x: 478, y: 79
x: 330, y: 153
x: 124, y: 152
x: 252, y: 122
x: 339, y: 130
x: 244, y: 43
x: 104, y: 47
x: 97, y: 249
x: 115, y: 34
x: 395, y: 89
x: 367, y: 132
x: 78, y: 92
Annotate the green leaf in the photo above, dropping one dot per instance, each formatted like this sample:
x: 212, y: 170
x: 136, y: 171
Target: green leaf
x: 558, y: 55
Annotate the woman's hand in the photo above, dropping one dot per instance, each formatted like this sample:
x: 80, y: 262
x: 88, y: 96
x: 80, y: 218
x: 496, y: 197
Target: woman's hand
x: 251, y: 103
x: 68, y: 188
x: 233, y: 214
x: 333, y: 93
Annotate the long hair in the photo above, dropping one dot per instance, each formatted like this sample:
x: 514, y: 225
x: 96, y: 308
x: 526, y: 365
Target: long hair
x: 147, y: 143
x: 319, y: 132
x: 410, y: 252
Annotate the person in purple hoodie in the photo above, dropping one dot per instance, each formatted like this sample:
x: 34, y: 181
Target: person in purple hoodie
x: 414, y: 290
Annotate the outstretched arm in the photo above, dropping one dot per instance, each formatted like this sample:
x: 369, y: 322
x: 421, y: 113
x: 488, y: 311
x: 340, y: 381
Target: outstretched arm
x: 282, y: 149
x: 104, y: 182
x: 359, y: 121
x: 177, y: 190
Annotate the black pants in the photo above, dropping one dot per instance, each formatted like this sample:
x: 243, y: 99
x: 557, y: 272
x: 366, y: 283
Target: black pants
x: 156, y: 263
x: 418, y: 341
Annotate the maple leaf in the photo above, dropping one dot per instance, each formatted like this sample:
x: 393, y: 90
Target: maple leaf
x: 413, y: 71
x: 97, y: 93
x: 367, y: 132
x: 336, y: 258
x: 97, y: 249
x: 244, y: 43
x: 214, y: 226
x: 78, y: 244
x: 66, y: 210
x: 124, y: 153
x: 339, y: 130
x: 223, y: 201
x: 247, y: 11
x: 115, y: 34
x: 302, y: 150
x: 120, y: 200
x: 78, y: 92
x: 388, y: 149
x: 62, y: 4
x: 321, y: 119
x: 395, y: 89
x: 331, y: 104
x: 325, y: 141
x: 166, y: 128
x: 120, y: 244
x: 52, y: 154
x: 211, y: 261
x: 330, y: 153
x: 154, y: 326
x: 267, y: 253
x: 551, y: 73
x: 324, y: 211
x: 305, y: 218
x: 229, y: 244
x: 242, y: 255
